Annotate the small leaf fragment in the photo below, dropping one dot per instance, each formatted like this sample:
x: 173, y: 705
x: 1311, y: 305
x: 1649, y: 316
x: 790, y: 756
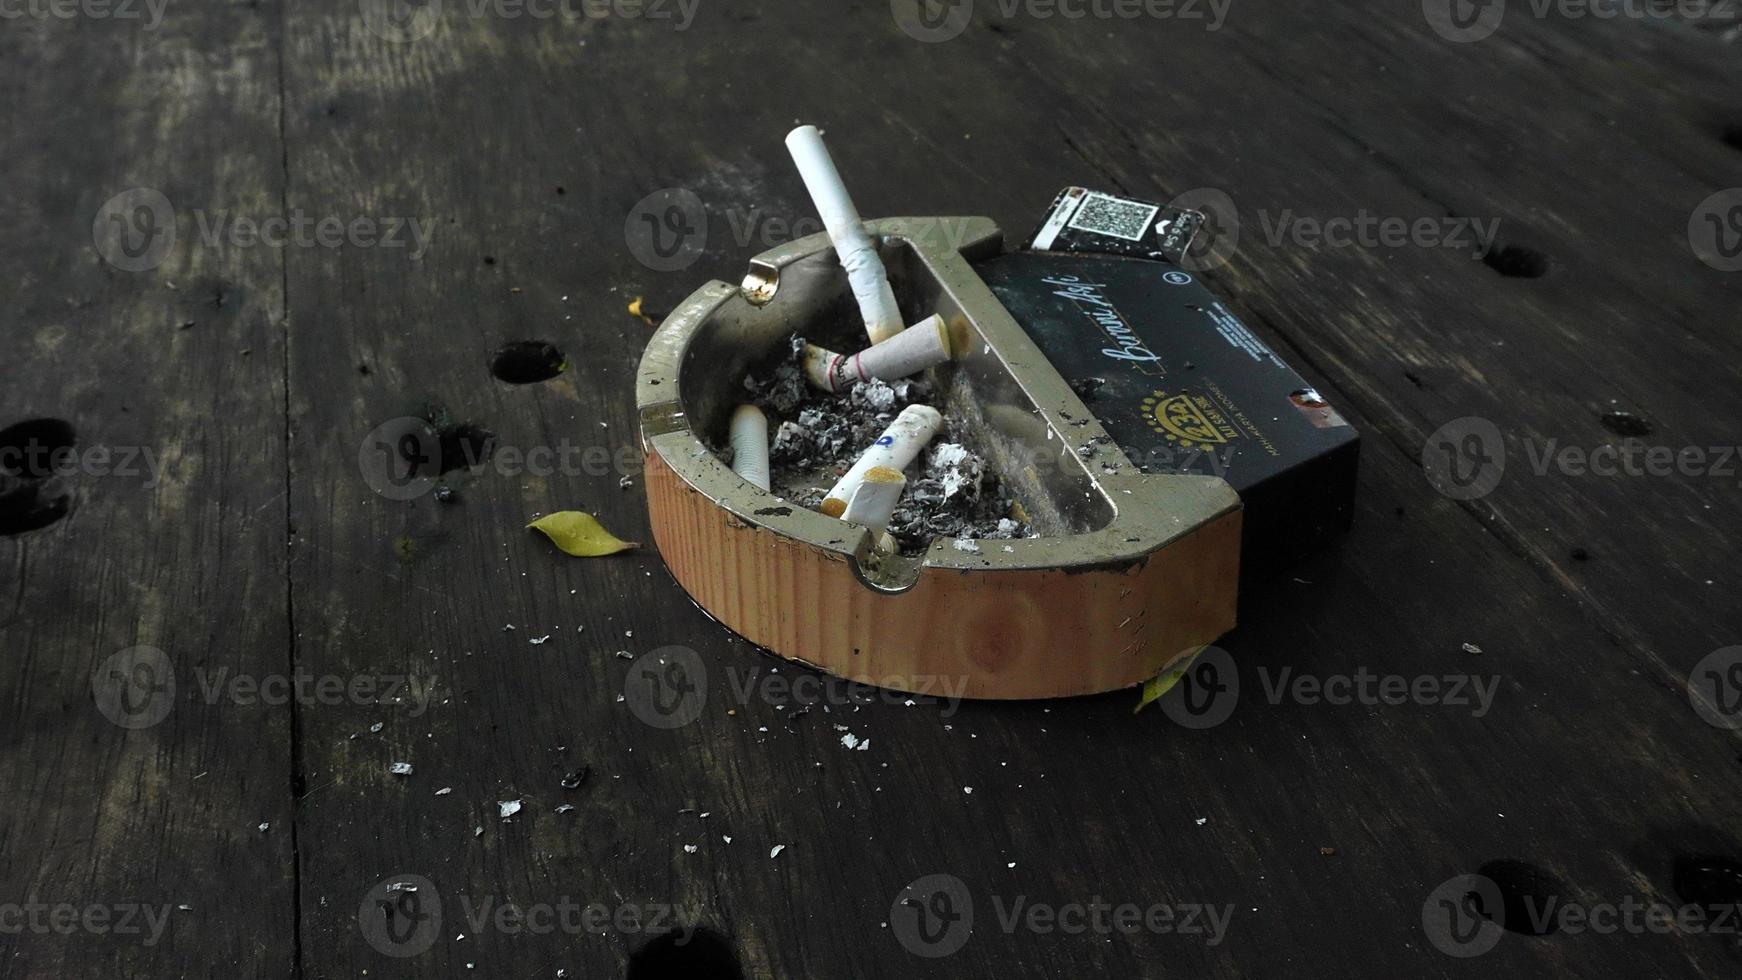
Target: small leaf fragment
x: 637, y: 310
x: 1163, y: 682
x: 579, y: 534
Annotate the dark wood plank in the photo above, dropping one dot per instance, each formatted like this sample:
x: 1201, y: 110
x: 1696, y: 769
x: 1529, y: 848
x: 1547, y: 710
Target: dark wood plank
x: 144, y: 811
x: 1590, y: 764
x: 1592, y: 142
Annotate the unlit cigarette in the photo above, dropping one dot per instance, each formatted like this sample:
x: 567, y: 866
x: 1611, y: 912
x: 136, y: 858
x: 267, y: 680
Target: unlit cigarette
x: 874, y: 502
x: 909, y: 352
x: 895, y: 448
x: 858, y: 256
x: 750, y: 445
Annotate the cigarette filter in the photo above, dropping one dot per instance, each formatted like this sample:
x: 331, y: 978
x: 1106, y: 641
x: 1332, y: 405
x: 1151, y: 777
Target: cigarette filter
x: 858, y: 256
x: 895, y: 448
x: 874, y: 502
x: 909, y: 352
x: 749, y: 438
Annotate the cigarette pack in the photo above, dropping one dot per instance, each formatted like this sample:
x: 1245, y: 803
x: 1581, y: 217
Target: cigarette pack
x: 1183, y: 386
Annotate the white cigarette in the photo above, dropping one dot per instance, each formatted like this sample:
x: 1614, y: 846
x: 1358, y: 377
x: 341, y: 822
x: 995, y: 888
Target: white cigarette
x: 895, y: 448
x: 858, y: 256
x: 750, y: 445
x: 909, y: 352
x: 874, y: 502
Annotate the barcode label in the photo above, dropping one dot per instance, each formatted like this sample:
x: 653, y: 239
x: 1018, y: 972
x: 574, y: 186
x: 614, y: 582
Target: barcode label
x: 1114, y: 216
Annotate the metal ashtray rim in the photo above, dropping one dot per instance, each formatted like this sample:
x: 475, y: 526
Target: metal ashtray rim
x: 1149, y: 511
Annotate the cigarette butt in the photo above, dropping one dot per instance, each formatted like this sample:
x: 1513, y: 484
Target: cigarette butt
x: 956, y: 334
x: 865, y: 272
x: 749, y: 438
x: 895, y: 448
x: 874, y: 502
x: 821, y: 365
x: 907, y: 353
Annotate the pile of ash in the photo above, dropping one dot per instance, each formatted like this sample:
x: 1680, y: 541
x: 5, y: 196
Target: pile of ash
x: 818, y: 436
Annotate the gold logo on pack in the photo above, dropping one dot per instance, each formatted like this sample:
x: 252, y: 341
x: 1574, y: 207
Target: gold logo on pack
x: 1187, y: 419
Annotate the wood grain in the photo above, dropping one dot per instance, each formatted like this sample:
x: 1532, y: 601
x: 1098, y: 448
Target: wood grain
x: 525, y: 152
x: 145, y: 814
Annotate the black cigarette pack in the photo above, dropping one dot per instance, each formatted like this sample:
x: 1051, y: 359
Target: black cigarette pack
x: 1184, y: 387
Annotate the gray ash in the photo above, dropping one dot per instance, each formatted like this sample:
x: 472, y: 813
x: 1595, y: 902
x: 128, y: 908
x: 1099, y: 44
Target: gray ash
x: 818, y: 436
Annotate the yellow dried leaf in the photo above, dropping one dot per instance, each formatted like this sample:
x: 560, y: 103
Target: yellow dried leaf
x: 1163, y: 682
x: 579, y: 534
x: 636, y: 310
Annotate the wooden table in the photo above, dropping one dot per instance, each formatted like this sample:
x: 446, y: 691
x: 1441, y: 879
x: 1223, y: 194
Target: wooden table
x: 257, y: 824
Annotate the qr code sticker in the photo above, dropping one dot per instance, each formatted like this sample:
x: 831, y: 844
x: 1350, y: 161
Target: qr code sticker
x: 1114, y: 216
